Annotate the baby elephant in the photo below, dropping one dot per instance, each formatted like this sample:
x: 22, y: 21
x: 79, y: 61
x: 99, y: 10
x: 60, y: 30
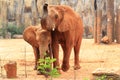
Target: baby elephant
x: 39, y: 39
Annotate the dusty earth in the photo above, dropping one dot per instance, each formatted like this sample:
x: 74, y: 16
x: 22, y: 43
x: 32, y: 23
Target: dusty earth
x: 92, y: 56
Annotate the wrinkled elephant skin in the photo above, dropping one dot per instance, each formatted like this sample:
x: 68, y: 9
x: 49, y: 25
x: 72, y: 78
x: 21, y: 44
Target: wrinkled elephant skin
x: 67, y: 29
x: 39, y: 39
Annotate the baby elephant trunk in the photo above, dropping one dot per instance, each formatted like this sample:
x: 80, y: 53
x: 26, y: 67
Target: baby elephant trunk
x: 44, y: 39
x: 43, y: 50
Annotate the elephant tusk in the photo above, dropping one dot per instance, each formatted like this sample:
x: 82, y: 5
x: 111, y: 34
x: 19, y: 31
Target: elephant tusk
x: 53, y: 29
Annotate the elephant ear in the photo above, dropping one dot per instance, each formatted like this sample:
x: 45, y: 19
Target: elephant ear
x: 66, y: 22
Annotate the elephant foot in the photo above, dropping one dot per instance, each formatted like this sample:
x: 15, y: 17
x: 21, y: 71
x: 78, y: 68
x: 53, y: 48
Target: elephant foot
x: 76, y: 67
x: 35, y: 68
x: 65, y: 67
x: 59, y: 70
x: 39, y: 73
x: 42, y: 73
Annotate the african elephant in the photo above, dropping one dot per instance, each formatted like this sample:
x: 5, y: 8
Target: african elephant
x: 39, y: 39
x: 66, y: 28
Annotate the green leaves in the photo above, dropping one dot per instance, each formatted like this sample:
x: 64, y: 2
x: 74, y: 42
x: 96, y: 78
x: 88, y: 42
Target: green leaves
x: 86, y: 79
x: 45, y: 67
x: 54, y: 73
x: 103, y: 77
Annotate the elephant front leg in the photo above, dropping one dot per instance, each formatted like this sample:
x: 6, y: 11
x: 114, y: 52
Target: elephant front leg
x: 55, y: 50
x: 36, y: 54
x: 66, y: 52
x: 76, y: 52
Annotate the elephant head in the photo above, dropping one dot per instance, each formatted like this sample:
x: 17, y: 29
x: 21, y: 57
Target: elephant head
x: 57, y: 17
x: 43, y: 38
x: 39, y: 39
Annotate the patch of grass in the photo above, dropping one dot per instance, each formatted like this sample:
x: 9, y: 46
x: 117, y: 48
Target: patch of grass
x: 102, y: 77
x: 86, y: 79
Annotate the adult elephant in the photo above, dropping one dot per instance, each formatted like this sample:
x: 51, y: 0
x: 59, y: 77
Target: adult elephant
x: 39, y: 39
x: 66, y: 27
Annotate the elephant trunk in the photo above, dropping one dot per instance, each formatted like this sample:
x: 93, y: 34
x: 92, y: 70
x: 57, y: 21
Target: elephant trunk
x: 42, y: 53
x: 44, y: 16
x: 45, y: 11
x: 46, y: 21
x: 43, y: 50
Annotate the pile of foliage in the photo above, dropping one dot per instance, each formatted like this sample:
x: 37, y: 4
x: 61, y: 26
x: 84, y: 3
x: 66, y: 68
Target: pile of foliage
x: 12, y: 29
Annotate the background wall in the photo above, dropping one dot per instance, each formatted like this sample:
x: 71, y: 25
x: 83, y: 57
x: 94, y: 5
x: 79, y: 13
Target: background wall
x: 22, y: 13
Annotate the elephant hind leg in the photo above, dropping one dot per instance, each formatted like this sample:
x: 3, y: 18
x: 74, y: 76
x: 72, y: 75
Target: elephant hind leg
x: 37, y: 56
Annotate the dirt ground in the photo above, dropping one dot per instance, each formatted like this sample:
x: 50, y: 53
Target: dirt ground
x: 92, y: 56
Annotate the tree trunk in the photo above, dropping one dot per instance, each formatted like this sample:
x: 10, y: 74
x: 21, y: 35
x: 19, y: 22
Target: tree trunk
x: 118, y: 26
x: 34, y: 12
x: 54, y: 2
x: 97, y: 21
x: 11, y: 11
x: 95, y: 27
x: 99, y: 25
x: 11, y: 69
x: 19, y: 12
x: 4, y: 9
x: 4, y: 13
x: 40, y: 4
x: 110, y: 20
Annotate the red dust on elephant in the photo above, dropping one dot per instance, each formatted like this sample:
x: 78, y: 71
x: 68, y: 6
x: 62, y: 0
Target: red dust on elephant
x: 67, y: 29
x: 39, y: 39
